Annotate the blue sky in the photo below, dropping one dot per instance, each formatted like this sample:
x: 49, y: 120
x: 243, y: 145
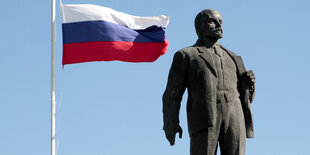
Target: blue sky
x: 115, y: 108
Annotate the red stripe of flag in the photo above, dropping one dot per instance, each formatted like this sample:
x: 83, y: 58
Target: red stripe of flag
x: 113, y: 50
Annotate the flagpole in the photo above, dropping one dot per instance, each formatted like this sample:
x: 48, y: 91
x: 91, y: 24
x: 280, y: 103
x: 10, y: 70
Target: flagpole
x: 53, y: 101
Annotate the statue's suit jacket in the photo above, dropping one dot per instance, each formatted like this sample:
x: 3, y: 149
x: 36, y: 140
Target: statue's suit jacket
x: 193, y: 68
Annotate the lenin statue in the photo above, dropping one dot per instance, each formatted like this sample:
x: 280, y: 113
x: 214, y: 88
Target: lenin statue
x: 220, y: 91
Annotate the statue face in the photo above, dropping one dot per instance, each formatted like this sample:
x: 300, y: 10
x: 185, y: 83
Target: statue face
x: 211, y: 25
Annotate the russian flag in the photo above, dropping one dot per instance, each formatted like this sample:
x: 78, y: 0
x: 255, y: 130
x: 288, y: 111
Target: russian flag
x: 96, y: 33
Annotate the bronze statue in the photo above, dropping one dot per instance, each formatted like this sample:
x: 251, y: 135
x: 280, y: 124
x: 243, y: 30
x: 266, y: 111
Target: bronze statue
x: 220, y: 91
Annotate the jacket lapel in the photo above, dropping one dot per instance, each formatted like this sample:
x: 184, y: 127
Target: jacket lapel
x: 207, y: 57
x: 238, y: 61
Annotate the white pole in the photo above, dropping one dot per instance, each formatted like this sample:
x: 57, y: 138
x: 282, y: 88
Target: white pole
x: 53, y: 101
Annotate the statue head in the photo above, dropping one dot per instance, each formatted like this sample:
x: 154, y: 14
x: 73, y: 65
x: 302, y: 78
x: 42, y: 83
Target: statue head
x: 208, y: 23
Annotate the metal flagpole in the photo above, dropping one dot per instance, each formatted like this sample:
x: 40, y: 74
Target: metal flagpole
x: 53, y: 101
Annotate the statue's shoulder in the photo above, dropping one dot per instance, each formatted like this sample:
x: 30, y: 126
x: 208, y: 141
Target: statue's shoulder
x: 229, y: 51
x: 189, y: 51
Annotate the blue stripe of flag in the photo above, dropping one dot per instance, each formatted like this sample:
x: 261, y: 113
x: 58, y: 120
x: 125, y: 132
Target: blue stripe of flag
x: 89, y: 31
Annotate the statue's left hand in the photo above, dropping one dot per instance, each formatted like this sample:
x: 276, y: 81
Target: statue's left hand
x: 250, y: 76
x: 250, y: 81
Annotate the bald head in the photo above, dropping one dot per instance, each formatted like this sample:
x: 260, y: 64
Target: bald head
x: 208, y: 23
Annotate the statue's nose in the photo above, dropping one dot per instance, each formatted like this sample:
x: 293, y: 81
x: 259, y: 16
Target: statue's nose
x: 218, y: 24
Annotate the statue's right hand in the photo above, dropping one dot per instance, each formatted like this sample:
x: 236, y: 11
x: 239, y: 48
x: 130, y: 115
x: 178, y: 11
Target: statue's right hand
x: 170, y: 134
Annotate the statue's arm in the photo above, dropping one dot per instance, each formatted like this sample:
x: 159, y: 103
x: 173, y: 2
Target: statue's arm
x: 252, y: 93
x: 173, y: 95
x: 251, y: 84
